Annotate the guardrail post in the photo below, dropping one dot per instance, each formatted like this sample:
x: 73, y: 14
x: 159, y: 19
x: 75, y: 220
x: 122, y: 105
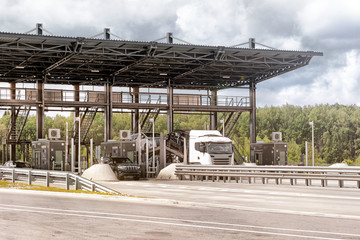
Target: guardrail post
x: 291, y: 181
x: 29, y: 177
x: 93, y: 187
x: 76, y: 183
x: 67, y: 182
x: 341, y: 183
x: 13, y: 175
x: 322, y: 182
x: 358, y: 184
x: 47, y: 179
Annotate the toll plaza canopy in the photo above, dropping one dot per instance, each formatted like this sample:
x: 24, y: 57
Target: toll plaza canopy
x: 78, y: 60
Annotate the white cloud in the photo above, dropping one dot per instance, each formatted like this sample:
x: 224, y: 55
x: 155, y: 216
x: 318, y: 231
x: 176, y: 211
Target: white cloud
x: 337, y: 85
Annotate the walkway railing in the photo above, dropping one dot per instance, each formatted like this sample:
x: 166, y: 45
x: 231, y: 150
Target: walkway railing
x: 264, y: 173
x: 56, y: 177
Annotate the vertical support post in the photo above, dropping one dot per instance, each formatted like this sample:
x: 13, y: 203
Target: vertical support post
x: 213, y: 115
x: 76, y: 149
x: 252, y: 112
x: 47, y: 179
x: 79, y: 148
x: 29, y: 178
x: 91, y: 151
x: 39, y: 29
x: 67, y: 182
x: 306, y: 153
x: 162, y: 155
x: 251, y: 42
x: 170, y: 112
x: 72, y: 155
x: 13, y: 123
x: 169, y: 37
x: 107, y: 33
x: 40, y: 133
x: 108, y: 113
x: 13, y: 175
x: 135, y: 114
x: 66, y: 165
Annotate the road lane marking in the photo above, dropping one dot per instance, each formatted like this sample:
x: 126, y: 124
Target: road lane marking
x: 114, y: 215
x: 168, y: 223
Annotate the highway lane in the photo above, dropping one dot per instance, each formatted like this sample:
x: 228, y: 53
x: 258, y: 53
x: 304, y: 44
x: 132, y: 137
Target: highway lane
x: 312, y: 201
x: 42, y: 215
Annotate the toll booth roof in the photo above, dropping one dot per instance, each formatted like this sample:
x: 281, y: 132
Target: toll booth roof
x: 80, y: 60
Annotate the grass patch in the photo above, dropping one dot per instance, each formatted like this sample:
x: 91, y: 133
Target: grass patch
x: 24, y: 186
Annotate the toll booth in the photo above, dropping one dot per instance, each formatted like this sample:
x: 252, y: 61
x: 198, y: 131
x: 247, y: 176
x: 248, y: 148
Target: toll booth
x: 119, y: 149
x: 275, y: 153
x: 122, y: 149
x: 48, y: 154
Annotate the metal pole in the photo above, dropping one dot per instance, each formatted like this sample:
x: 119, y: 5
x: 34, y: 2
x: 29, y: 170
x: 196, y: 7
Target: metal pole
x: 79, y: 155
x: 91, y: 151
x: 72, y: 155
x: 153, y: 143
x: 306, y: 153
x: 313, y: 148
x: 66, y: 168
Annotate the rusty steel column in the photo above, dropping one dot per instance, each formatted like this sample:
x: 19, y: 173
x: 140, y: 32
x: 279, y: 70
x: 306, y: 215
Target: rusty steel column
x: 76, y: 125
x: 170, y: 112
x: 135, y: 115
x: 252, y: 89
x: 213, y: 115
x: 13, y: 122
x: 40, y: 131
x: 108, y: 113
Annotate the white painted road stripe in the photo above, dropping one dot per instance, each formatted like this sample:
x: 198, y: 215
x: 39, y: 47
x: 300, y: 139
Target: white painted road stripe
x: 77, y: 212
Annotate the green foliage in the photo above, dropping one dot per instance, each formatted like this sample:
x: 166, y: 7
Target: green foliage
x: 336, y: 128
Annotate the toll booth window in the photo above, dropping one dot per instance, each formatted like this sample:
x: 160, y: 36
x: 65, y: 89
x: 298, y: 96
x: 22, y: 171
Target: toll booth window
x: 130, y: 155
x: 115, y: 151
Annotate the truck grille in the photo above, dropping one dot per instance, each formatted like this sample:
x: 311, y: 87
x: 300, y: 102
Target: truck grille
x: 131, y: 168
x: 220, y: 161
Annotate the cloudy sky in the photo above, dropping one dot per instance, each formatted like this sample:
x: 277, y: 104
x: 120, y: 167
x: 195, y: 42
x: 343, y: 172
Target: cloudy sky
x: 329, y: 26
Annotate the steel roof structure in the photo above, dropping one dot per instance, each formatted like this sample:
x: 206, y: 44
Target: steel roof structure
x: 79, y: 60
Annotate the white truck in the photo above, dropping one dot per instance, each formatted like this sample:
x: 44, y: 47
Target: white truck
x: 206, y: 147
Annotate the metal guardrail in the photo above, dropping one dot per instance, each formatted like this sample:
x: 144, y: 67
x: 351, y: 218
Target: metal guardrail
x: 47, y: 177
x: 264, y: 173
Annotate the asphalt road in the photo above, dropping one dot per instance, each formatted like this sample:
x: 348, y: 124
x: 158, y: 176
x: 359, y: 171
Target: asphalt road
x: 165, y: 210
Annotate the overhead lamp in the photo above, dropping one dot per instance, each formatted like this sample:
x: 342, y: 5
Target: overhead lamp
x: 20, y: 67
x: 226, y: 76
x: 95, y: 70
x: 163, y: 74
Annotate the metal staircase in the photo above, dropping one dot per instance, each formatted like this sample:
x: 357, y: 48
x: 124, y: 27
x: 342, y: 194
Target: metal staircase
x: 230, y: 121
x: 15, y: 129
x: 145, y: 117
x: 85, y: 123
x: 239, y: 151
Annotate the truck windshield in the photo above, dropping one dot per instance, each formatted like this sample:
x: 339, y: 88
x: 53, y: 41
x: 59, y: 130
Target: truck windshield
x: 225, y: 148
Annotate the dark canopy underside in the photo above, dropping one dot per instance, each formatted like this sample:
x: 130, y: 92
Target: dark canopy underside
x: 68, y: 60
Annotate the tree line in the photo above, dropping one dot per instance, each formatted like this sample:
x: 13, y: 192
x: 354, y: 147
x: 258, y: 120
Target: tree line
x: 336, y: 129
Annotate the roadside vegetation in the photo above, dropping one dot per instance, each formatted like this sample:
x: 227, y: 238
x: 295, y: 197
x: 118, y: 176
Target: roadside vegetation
x: 24, y: 186
x: 337, y: 129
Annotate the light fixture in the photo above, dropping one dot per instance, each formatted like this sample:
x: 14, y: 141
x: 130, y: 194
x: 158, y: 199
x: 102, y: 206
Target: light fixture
x: 226, y: 76
x: 163, y: 74
x: 20, y: 67
x: 95, y: 70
